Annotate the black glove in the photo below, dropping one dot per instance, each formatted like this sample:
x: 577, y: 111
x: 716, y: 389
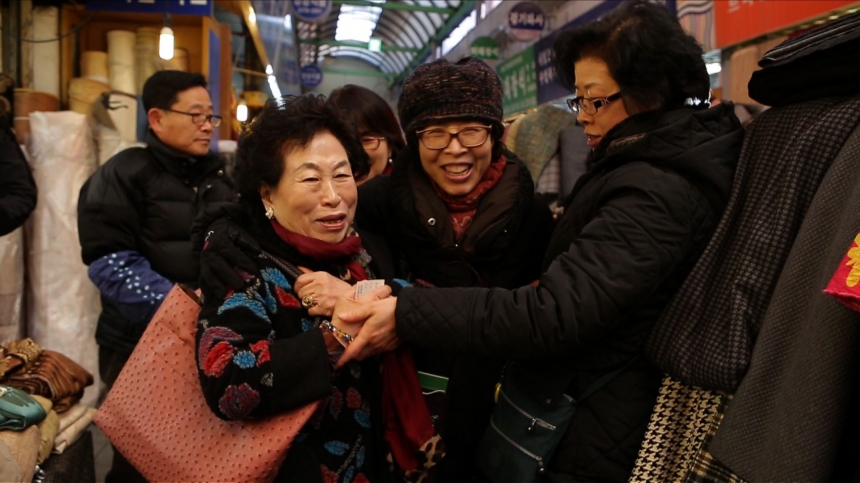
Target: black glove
x: 226, y: 250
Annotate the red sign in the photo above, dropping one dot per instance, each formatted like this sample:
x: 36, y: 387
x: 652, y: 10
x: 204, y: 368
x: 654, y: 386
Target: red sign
x: 739, y: 20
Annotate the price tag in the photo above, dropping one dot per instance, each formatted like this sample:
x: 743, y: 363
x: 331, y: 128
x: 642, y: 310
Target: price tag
x: 364, y: 287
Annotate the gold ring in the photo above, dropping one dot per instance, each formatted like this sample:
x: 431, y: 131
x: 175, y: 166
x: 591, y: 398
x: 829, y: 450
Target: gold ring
x: 308, y: 301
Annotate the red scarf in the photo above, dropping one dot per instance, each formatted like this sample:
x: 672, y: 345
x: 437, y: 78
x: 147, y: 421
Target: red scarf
x: 317, y: 249
x: 462, y: 209
x: 404, y: 412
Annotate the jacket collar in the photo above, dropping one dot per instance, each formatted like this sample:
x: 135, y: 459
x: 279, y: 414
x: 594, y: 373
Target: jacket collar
x: 178, y: 164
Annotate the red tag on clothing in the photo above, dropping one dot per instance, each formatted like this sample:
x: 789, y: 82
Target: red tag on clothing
x: 845, y: 284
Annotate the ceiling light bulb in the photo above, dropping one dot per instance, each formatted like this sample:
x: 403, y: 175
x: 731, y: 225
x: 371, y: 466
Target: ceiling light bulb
x: 242, y: 112
x: 165, y: 43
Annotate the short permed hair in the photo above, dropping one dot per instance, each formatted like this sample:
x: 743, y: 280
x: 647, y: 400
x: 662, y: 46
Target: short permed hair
x: 286, y: 124
x: 162, y: 88
x: 362, y: 107
x: 654, y: 62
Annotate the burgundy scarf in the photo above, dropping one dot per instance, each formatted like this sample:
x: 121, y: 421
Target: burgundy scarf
x: 404, y: 412
x: 462, y: 209
x: 349, y: 248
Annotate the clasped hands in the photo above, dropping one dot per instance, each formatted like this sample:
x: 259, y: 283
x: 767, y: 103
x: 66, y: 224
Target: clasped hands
x: 369, y: 320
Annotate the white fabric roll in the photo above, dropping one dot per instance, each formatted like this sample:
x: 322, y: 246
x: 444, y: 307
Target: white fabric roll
x: 124, y: 116
x: 94, y: 65
x: 46, y: 55
x: 121, y: 60
x: 12, y: 286
x: 62, y: 303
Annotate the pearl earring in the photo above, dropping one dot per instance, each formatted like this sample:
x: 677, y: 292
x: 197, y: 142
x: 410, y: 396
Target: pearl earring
x: 270, y: 213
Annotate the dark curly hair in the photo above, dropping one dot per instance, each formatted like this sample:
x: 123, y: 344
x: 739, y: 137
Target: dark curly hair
x: 364, y: 108
x: 654, y: 62
x: 286, y: 124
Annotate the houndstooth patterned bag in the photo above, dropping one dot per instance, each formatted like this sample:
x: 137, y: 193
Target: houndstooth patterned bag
x: 684, y: 420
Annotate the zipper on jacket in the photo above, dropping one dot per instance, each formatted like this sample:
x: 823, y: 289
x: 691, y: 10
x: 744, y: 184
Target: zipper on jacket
x: 533, y: 419
x: 515, y: 444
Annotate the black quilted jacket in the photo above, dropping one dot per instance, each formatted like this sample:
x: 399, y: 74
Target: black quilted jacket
x: 144, y: 200
x: 633, y: 228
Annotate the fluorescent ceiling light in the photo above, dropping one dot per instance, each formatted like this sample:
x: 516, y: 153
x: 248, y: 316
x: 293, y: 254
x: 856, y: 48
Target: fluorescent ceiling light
x: 375, y: 45
x: 288, y: 21
x: 269, y: 70
x: 357, y: 22
x: 273, y: 85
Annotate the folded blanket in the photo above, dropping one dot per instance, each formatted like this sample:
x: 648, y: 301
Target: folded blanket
x: 54, y: 376
x: 72, y: 415
x: 71, y: 434
x: 24, y: 446
x: 48, y: 429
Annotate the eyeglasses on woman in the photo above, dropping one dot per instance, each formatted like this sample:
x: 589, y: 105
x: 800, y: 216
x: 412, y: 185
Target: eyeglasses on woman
x: 468, y: 137
x: 590, y: 105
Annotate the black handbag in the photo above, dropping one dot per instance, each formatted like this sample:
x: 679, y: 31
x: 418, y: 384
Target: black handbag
x: 524, y: 430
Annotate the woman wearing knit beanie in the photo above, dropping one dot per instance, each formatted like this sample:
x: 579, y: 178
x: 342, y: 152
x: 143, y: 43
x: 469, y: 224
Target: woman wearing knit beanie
x: 459, y: 208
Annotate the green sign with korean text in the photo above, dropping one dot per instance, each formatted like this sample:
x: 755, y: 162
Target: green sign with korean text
x: 485, y: 48
x: 519, y: 82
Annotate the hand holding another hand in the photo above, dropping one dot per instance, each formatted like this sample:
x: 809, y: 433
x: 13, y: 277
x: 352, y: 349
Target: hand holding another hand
x: 373, y: 316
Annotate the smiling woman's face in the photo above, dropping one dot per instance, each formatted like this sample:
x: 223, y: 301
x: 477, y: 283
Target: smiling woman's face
x: 316, y: 195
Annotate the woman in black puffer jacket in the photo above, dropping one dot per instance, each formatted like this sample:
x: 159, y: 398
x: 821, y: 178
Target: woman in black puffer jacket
x: 659, y: 178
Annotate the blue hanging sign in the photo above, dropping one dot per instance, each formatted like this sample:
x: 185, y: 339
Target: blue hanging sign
x: 173, y: 7
x: 311, y: 76
x: 310, y: 10
x: 525, y: 21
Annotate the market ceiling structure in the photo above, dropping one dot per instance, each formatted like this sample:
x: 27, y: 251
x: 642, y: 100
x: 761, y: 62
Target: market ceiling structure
x: 409, y: 30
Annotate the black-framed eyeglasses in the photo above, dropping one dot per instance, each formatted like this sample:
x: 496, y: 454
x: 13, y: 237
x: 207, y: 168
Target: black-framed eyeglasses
x: 468, y: 137
x: 199, y: 118
x: 590, y: 105
x: 371, y: 142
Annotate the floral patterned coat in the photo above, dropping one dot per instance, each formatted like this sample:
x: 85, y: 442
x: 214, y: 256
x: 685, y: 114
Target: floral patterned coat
x: 259, y: 353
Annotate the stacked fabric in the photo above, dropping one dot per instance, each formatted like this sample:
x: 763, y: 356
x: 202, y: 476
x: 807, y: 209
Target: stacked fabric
x: 39, y: 410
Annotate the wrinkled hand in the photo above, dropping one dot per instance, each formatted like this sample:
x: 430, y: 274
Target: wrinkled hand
x: 325, y: 289
x: 375, y: 313
x: 226, y: 257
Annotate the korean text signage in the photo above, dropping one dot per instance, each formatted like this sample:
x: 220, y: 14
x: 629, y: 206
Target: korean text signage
x: 174, y: 7
x: 311, y: 76
x: 525, y: 21
x: 485, y: 48
x: 310, y: 10
x: 518, y: 82
x: 739, y: 20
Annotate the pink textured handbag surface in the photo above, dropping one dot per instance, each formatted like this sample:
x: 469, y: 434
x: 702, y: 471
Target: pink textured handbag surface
x: 157, y: 417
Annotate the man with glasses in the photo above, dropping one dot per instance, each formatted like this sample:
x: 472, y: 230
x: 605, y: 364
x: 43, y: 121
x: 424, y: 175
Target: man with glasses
x: 135, y: 215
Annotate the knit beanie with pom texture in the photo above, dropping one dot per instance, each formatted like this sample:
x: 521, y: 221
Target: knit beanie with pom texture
x: 441, y: 90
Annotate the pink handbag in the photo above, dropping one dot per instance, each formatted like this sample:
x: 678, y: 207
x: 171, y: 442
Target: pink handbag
x: 157, y: 417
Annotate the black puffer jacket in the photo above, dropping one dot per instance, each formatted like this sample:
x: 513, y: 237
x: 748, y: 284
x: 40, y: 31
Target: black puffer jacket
x: 144, y: 200
x: 17, y: 187
x: 634, y: 226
